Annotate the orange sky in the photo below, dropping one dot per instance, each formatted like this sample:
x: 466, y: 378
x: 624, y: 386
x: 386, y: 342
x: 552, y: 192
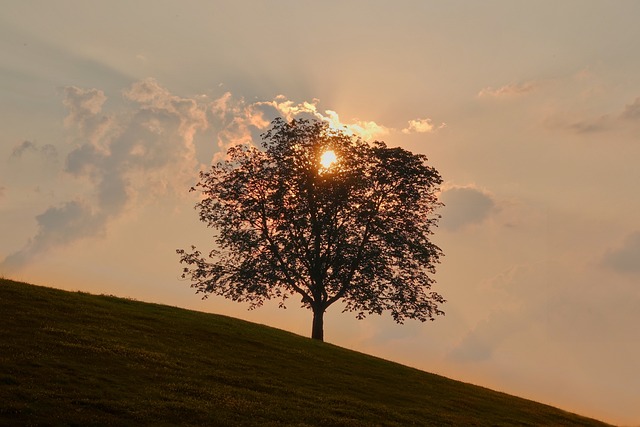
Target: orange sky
x: 530, y: 111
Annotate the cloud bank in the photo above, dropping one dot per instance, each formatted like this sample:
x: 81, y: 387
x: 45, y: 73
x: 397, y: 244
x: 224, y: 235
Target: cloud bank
x: 133, y: 153
x: 145, y: 150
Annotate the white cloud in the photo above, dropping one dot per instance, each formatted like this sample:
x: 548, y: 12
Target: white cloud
x: 513, y: 89
x: 422, y: 126
x: 241, y: 122
x: 289, y: 110
x: 367, y: 130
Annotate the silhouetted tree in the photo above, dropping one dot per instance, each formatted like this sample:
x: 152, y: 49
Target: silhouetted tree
x: 356, y: 230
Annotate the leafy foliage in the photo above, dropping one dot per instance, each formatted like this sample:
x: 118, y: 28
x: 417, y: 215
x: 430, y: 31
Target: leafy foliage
x: 358, y: 230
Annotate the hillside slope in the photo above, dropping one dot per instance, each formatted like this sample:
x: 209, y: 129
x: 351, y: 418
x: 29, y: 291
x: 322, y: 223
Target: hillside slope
x: 78, y: 359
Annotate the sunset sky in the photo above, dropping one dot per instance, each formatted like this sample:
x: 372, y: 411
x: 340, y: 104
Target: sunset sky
x: 529, y: 110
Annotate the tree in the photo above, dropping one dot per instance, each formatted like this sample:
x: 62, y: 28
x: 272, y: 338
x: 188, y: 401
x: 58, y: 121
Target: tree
x: 322, y: 214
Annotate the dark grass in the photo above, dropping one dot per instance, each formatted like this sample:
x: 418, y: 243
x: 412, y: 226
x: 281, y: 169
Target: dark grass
x: 78, y: 359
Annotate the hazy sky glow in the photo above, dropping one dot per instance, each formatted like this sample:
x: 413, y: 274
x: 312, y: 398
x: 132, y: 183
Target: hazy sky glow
x: 530, y: 111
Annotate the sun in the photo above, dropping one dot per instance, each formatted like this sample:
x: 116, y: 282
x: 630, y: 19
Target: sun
x: 328, y: 158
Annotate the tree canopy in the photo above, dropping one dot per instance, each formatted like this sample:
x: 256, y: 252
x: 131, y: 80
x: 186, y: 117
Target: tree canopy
x: 353, y: 225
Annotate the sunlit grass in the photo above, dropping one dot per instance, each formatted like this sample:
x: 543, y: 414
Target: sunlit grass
x: 79, y: 359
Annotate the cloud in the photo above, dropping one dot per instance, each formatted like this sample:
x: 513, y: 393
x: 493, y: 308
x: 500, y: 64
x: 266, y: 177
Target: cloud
x: 510, y: 90
x: 145, y: 148
x: 57, y: 226
x: 289, y: 109
x: 155, y: 99
x: 48, y: 151
x: 605, y: 122
x: 21, y: 148
x: 84, y: 106
x: 626, y: 257
x: 422, y: 126
x: 367, y: 130
x: 241, y: 122
x: 465, y: 206
x: 144, y: 151
x: 631, y: 111
x: 238, y: 122
x: 592, y: 125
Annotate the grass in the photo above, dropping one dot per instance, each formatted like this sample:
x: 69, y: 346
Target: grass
x: 77, y: 359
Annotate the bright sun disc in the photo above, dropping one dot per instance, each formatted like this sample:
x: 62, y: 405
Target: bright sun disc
x: 328, y: 158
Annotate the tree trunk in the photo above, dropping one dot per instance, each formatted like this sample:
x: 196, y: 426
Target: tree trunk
x: 317, y: 332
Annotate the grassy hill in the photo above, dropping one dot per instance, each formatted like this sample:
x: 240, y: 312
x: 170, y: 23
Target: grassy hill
x: 78, y: 359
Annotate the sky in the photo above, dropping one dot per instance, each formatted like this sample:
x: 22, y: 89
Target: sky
x: 529, y: 110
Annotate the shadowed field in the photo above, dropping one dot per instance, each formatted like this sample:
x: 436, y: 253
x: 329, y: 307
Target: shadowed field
x: 77, y: 359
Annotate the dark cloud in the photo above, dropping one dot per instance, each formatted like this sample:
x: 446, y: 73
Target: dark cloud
x: 626, y: 257
x: 48, y: 151
x: 595, y: 125
x: 585, y: 126
x: 57, y: 226
x: 21, y: 148
x: 465, y: 206
x: 603, y: 123
x: 632, y: 111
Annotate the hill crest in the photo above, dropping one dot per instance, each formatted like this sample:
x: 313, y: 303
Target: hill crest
x: 76, y: 358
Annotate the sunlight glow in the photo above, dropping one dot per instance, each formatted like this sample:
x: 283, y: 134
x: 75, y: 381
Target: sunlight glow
x: 328, y: 158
